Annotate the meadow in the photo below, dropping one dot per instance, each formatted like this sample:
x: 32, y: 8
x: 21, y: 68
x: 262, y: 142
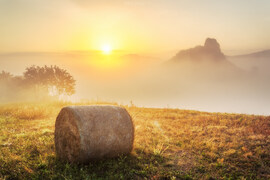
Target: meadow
x: 169, y: 144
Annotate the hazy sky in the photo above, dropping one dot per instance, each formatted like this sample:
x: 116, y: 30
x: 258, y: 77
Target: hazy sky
x: 133, y: 25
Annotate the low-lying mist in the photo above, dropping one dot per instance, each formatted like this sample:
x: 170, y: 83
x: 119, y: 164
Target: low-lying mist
x: 201, y: 78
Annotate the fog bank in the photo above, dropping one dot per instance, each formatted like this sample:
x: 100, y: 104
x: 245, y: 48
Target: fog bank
x: 200, y: 78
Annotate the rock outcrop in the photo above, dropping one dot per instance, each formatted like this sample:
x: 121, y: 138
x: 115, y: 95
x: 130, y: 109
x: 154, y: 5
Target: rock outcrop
x: 210, y: 51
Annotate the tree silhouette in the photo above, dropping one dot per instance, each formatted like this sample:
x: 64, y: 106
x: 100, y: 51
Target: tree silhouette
x: 54, y: 80
x: 5, y: 76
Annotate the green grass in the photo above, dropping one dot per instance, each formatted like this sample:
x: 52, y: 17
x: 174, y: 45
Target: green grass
x: 169, y: 144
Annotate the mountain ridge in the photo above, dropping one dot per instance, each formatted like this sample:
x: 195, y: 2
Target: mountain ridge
x: 257, y: 54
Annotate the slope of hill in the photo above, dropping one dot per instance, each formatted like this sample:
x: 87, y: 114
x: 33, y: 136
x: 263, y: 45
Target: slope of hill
x: 260, y: 54
x: 169, y: 144
x: 258, y: 61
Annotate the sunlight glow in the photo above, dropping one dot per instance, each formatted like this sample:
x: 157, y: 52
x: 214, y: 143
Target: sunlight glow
x: 106, y: 49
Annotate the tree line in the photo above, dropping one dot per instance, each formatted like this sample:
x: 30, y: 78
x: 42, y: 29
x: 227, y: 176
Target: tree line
x: 37, y: 83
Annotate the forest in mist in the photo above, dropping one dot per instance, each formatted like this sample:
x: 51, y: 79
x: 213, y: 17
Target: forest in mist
x: 200, y: 78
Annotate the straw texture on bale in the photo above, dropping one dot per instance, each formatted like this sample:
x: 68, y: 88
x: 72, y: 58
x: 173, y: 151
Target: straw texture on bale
x: 85, y: 133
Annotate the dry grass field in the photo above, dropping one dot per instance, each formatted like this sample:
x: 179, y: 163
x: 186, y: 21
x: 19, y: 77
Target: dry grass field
x: 169, y: 144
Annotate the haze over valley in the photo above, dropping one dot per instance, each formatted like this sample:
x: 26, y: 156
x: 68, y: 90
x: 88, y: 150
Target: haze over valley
x: 199, y: 78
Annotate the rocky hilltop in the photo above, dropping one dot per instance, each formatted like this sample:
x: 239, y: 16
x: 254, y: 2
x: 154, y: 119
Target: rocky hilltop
x: 210, y: 51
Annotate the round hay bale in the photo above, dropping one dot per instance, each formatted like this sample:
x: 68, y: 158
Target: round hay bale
x: 85, y: 133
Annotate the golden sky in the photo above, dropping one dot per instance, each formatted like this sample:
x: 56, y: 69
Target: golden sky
x: 137, y: 26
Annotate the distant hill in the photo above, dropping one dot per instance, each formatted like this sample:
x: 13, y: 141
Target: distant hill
x: 207, y: 60
x: 210, y: 51
x: 137, y: 58
x: 260, y: 54
x: 257, y: 62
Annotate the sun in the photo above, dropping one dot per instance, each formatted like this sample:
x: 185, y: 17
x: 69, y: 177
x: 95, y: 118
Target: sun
x: 106, y: 49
